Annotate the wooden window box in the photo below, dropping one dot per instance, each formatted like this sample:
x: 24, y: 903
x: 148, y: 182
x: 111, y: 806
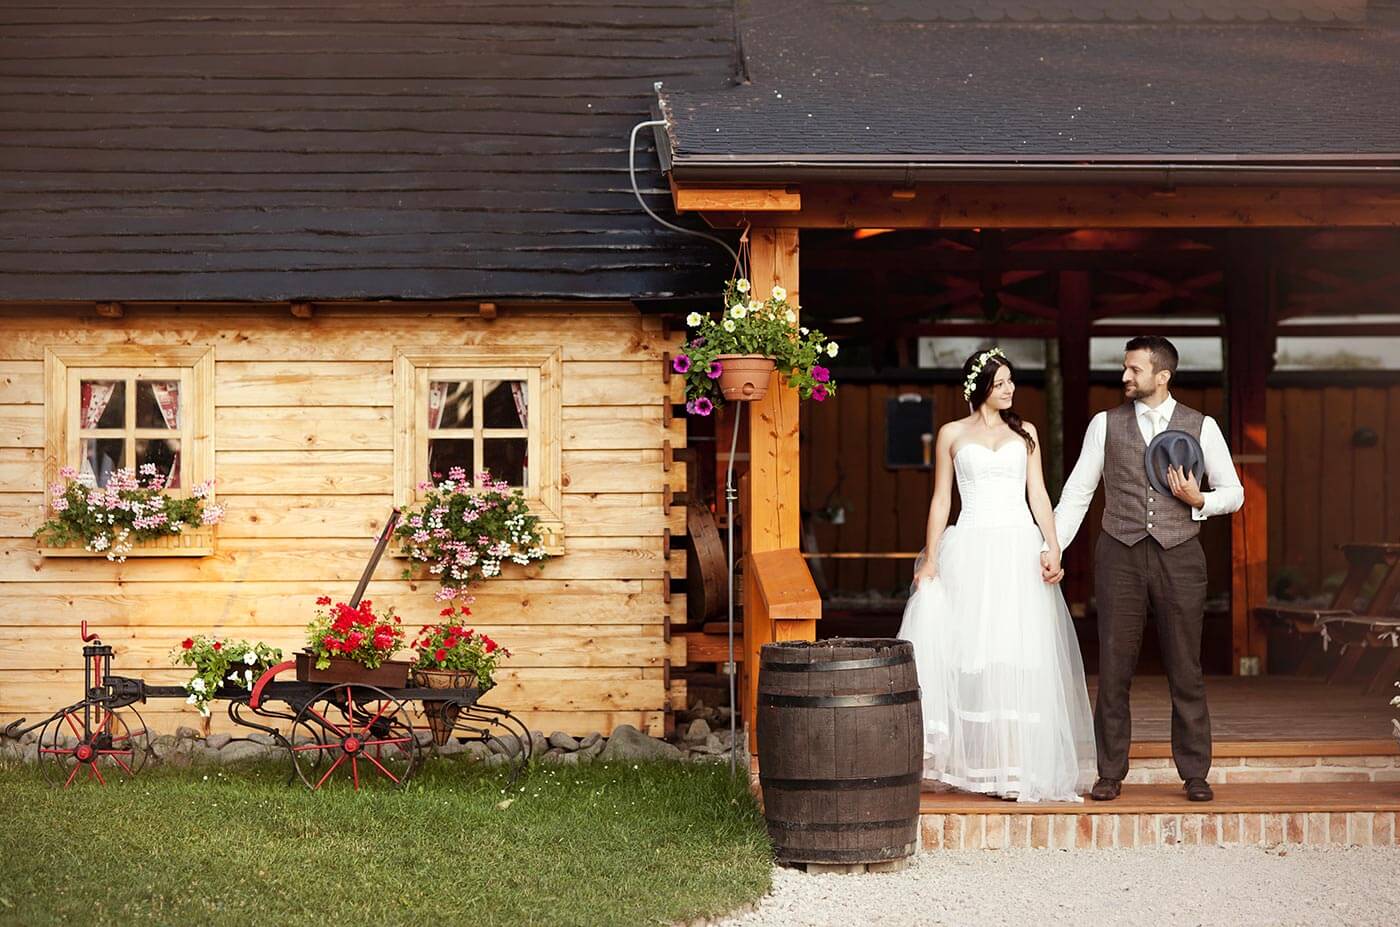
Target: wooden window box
x: 195, y: 542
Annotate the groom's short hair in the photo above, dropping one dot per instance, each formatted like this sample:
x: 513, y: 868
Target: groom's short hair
x: 1164, y: 355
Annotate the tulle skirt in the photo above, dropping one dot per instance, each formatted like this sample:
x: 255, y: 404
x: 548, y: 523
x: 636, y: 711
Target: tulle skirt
x: 1006, y: 710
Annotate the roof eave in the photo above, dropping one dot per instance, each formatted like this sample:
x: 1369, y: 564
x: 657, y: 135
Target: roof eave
x: 1287, y: 170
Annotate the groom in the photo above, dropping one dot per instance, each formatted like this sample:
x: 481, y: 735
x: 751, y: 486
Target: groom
x: 1148, y: 558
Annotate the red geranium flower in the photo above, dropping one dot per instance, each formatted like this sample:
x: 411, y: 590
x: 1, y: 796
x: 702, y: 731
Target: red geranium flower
x: 490, y: 645
x: 187, y: 643
x: 440, y: 654
x: 323, y: 600
x: 218, y: 645
x: 446, y: 612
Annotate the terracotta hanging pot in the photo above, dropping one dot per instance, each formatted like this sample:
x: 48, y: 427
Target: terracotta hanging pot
x: 744, y: 377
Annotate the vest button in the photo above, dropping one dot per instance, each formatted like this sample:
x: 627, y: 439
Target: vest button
x: 1149, y: 524
x: 1149, y: 513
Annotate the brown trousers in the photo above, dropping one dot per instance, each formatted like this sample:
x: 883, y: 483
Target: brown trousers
x: 1128, y: 582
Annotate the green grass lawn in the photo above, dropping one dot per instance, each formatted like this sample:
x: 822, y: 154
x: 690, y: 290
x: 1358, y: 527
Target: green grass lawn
x: 606, y: 844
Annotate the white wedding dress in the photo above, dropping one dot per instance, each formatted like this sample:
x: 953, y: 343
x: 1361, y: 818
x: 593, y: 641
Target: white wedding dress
x: 1006, y: 711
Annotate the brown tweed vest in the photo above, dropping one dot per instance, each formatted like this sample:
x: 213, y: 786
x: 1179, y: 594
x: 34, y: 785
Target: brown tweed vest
x: 1133, y: 510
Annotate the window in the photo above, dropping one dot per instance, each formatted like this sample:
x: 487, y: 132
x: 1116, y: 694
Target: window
x: 127, y: 406
x: 480, y: 410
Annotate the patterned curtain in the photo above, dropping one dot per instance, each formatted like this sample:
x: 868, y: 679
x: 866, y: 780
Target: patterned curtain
x: 167, y: 396
x: 517, y: 392
x: 96, y: 395
x: 437, y: 398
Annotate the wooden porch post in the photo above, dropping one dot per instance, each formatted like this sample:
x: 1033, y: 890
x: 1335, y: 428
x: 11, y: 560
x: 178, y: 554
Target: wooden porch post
x: 771, y: 500
x: 1249, y: 351
x: 1075, y: 306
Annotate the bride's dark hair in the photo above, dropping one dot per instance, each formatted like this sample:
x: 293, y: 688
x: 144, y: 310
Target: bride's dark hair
x: 982, y: 388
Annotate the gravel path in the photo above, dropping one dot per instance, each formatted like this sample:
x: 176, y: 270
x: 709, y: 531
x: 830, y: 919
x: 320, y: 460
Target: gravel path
x: 1232, y: 886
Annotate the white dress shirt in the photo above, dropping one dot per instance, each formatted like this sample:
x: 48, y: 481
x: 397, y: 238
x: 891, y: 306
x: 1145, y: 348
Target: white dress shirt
x: 1226, y: 495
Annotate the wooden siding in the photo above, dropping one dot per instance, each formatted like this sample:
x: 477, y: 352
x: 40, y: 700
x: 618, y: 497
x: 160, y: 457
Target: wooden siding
x: 304, y: 459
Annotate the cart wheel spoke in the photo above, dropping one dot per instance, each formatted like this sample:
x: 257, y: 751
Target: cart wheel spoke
x: 125, y: 767
x: 320, y: 717
x: 76, y: 767
x: 338, y: 760
x: 382, y: 769
x: 68, y: 716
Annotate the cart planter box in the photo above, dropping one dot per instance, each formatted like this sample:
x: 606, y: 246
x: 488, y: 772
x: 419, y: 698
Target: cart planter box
x: 391, y: 674
x: 192, y: 542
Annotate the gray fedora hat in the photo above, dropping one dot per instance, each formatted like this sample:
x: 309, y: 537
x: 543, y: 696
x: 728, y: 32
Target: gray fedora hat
x: 1173, y: 448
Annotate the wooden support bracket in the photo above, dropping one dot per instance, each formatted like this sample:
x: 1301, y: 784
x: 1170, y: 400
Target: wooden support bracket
x: 303, y: 310
x: 488, y: 311
x: 110, y: 310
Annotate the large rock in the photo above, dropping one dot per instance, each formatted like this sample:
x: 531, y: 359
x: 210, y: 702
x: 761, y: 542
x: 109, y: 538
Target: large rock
x: 590, y: 740
x: 452, y: 747
x: 186, y: 733
x: 218, y: 741
x: 563, y: 741
x: 698, y: 731
x: 242, y: 751
x: 538, y: 743
x: 477, y: 751
x: 628, y: 743
x: 508, y: 746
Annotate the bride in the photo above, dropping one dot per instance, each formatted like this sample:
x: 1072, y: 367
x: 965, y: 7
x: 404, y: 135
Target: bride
x: 1005, y: 708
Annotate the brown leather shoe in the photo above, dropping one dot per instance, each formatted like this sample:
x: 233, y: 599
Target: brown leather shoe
x: 1198, y: 790
x: 1106, y: 789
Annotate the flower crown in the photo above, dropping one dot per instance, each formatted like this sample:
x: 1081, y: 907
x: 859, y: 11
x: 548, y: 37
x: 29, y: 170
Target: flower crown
x: 971, y: 382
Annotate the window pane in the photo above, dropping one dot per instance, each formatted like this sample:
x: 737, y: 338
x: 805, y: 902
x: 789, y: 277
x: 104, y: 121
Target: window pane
x: 446, y: 453
x: 504, y: 403
x: 450, y: 404
x: 163, y: 454
x: 101, y: 457
x: 505, y: 459
x: 103, y: 404
x: 157, y: 404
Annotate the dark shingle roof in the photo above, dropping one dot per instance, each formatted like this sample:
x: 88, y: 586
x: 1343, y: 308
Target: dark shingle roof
x: 257, y: 149
x: 904, y: 80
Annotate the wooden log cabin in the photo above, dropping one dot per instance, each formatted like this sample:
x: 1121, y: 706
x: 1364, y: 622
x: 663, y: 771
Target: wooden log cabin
x: 936, y: 174
x: 299, y: 214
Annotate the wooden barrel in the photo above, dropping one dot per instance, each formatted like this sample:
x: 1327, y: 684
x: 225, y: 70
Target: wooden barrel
x: 840, y: 749
x: 707, y: 570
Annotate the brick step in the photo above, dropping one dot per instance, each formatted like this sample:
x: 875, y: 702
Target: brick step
x: 1244, y: 814
x: 1275, y: 761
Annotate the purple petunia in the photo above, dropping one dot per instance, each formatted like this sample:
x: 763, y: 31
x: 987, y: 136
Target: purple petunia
x: 680, y: 363
x: 715, y: 369
x: 821, y: 374
x: 703, y: 406
x: 697, y: 342
x: 819, y: 393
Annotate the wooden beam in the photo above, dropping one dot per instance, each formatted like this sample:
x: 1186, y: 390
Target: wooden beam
x: 1047, y: 206
x: 1074, y: 298
x: 770, y: 499
x: 1249, y: 350
x: 735, y: 199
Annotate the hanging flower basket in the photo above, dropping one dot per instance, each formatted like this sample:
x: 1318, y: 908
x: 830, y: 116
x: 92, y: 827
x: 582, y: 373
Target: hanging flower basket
x: 442, y: 713
x: 731, y: 356
x: 451, y: 656
x: 744, y: 377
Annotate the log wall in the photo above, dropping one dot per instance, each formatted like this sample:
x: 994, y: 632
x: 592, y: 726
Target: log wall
x: 304, y: 463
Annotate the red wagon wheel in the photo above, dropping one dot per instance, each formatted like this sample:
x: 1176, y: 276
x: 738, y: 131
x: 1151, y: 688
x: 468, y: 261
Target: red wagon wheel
x: 361, y: 733
x: 93, y: 745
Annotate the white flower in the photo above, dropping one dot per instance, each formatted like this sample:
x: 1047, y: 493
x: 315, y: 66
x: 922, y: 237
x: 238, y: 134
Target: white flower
x: 779, y: 293
x: 755, y: 305
x: 742, y: 286
x: 738, y: 312
x: 248, y: 678
x: 197, y: 684
x: 736, y: 307
x: 831, y: 349
x: 190, y: 700
x: 803, y: 330
x: 694, y: 319
x: 791, y: 317
x: 250, y: 658
x: 728, y: 325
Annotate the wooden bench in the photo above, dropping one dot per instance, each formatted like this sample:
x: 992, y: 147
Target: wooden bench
x: 1342, y: 618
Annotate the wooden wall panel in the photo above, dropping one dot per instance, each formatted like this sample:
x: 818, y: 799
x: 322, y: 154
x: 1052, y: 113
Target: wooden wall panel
x: 303, y: 433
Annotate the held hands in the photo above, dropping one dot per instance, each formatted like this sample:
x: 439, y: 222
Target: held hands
x: 1184, y: 486
x: 1051, y: 571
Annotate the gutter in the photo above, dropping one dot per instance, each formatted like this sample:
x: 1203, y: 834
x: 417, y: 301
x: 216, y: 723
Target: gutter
x: 1156, y: 170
